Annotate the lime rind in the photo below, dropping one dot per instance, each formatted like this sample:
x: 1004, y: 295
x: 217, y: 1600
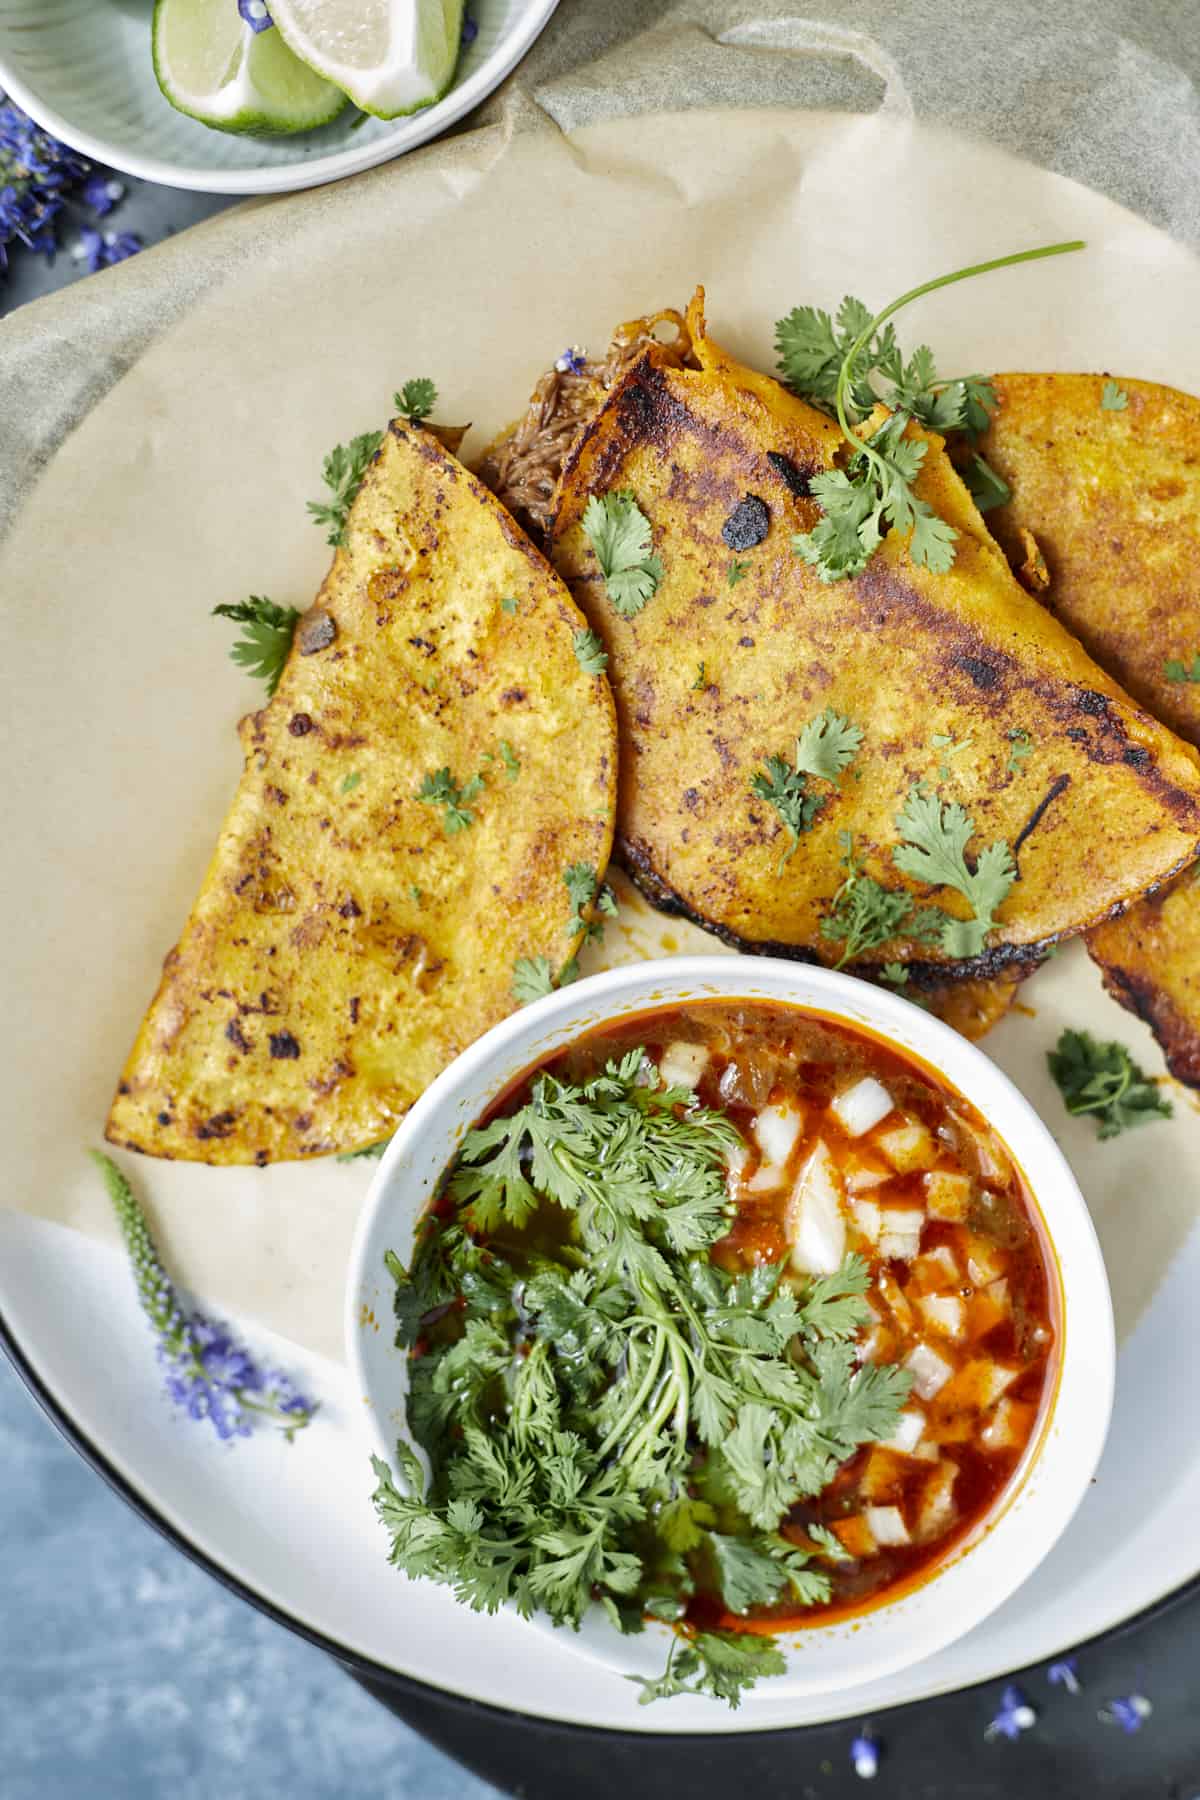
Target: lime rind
x: 439, y: 41
x: 250, y: 83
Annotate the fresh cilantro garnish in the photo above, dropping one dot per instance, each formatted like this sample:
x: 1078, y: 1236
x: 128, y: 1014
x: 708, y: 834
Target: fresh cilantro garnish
x: 618, y: 1417
x: 1113, y: 398
x: 416, y: 399
x: 342, y: 472
x: 262, y: 649
x: 895, y: 974
x: 439, y: 788
x: 1174, y: 669
x: 1104, y: 1080
x: 510, y: 759
x: 943, y: 741
x: 846, y: 367
x: 590, y: 653
x: 619, y: 533
x: 509, y: 604
x: 592, y: 901
x: 934, y: 838
x: 721, y: 1663
x: 532, y: 977
x: 351, y: 782
x: 737, y: 571
x: 824, y: 748
x: 865, y: 915
x: 1019, y: 745
x: 700, y: 685
x: 986, y: 487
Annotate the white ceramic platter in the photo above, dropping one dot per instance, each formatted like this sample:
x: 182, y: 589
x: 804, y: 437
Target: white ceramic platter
x: 183, y: 483
x: 82, y: 69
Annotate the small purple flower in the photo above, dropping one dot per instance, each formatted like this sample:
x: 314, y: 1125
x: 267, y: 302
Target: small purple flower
x: 864, y: 1756
x: 256, y: 15
x: 99, y: 250
x: 470, y: 30
x: 1064, y: 1674
x: 1130, y: 1712
x: 571, y: 362
x: 1015, y: 1715
x: 101, y: 192
x: 206, y: 1371
x: 35, y: 171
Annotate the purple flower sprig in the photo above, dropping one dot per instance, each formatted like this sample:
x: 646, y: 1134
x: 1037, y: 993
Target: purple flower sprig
x: 1014, y: 1716
x: 1129, y: 1711
x: 207, y: 1371
x: 864, y: 1756
x: 1065, y: 1674
x: 35, y: 173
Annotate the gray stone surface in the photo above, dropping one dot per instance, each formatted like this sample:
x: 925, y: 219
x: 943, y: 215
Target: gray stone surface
x: 128, y: 1674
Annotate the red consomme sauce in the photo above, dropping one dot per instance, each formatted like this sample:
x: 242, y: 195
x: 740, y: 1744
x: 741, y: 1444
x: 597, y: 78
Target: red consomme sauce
x: 855, y: 1145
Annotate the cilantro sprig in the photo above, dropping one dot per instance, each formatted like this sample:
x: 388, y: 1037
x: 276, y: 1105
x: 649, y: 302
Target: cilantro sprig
x: 934, y: 837
x: 262, y: 648
x: 416, y: 399
x: 342, y: 472
x: 1104, y: 1080
x: 439, y: 788
x: 827, y: 745
x: 835, y: 364
x: 619, y: 1417
x: 619, y: 533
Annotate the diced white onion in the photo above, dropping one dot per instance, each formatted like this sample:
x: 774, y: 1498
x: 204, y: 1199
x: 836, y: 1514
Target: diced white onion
x: 736, y: 1158
x: 910, y: 1428
x: 983, y: 1262
x: 901, y: 1245
x: 682, y: 1065
x: 937, y: 1511
x: 947, y: 1195
x: 865, y: 1214
x: 944, y: 1313
x: 886, y: 1525
x: 815, y: 1223
x: 938, y: 1269
x: 777, y: 1128
x: 765, y: 1178
x: 860, y: 1178
x: 897, y: 1302
x: 909, y: 1221
x: 1005, y: 1430
x: 930, y: 1372
x: 998, y: 1291
x: 907, y: 1146
x: 863, y: 1106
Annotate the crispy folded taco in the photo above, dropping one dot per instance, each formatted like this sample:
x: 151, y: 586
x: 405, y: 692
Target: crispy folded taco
x: 1105, y: 475
x: 433, y: 761
x: 965, y: 689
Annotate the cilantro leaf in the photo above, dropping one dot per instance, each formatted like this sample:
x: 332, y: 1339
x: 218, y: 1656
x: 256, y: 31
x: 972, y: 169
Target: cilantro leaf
x: 416, y: 399
x: 342, y: 472
x: 439, y: 788
x: 619, y: 533
x: 510, y: 759
x: 590, y: 653
x: 987, y: 488
x: 825, y: 747
x: 848, y: 366
x: 262, y: 648
x: 591, y: 902
x: 1104, y: 1080
x: 1175, y: 669
x: 1020, y: 745
x: 737, y: 571
x: 721, y: 1663
x: 933, y: 850
x: 532, y: 977
x: 1113, y: 398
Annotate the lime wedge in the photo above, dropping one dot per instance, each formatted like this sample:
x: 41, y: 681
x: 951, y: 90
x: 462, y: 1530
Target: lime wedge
x: 217, y: 67
x: 390, y: 56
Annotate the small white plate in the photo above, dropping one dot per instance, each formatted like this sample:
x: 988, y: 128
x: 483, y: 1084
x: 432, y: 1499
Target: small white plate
x: 82, y: 69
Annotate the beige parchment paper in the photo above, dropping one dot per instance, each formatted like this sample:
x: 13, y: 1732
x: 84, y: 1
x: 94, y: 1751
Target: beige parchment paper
x: 179, y: 480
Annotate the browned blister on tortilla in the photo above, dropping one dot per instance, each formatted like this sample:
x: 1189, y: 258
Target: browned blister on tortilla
x: 1101, y: 804
x: 1112, y: 495
x: 345, y: 945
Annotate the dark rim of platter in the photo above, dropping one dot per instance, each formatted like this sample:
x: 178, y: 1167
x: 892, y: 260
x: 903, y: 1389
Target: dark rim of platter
x: 379, y: 1673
